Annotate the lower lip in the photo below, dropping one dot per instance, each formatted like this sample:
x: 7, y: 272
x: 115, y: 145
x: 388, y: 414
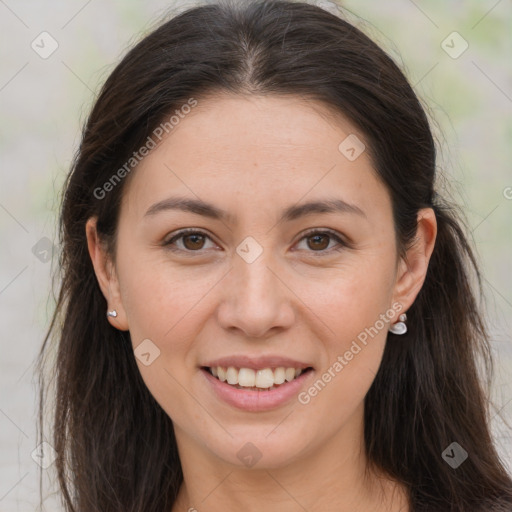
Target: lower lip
x: 255, y: 401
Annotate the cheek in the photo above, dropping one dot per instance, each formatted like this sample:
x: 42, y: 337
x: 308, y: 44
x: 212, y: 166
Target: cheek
x: 164, y: 306
x: 161, y: 301
x: 353, y: 311
x: 353, y: 353
x: 349, y: 298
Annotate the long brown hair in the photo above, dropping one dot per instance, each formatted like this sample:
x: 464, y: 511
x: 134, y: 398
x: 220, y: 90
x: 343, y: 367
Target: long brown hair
x: 116, y: 446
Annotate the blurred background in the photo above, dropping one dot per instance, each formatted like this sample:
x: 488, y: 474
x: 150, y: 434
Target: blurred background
x: 55, y: 55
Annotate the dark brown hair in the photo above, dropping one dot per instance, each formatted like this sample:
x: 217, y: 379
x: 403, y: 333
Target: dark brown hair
x: 116, y: 446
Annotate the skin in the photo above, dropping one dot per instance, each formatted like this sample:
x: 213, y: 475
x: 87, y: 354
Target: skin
x: 254, y: 156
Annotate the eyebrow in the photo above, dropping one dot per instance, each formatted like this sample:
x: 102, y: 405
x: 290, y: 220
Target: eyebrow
x: 199, y: 207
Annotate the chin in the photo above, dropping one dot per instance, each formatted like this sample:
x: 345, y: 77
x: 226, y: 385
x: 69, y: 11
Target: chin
x: 250, y: 449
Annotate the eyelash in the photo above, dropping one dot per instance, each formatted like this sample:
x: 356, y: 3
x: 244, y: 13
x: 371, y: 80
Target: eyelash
x: 190, y: 231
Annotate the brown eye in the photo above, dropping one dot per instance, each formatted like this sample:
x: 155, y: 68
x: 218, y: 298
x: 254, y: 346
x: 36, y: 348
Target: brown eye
x: 194, y: 241
x: 319, y: 242
x: 191, y: 241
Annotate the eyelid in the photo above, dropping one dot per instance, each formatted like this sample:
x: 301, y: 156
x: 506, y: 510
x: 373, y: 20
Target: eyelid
x: 182, y: 233
x: 338, y: 237
x: 342, y: 240
x: 322, y: 231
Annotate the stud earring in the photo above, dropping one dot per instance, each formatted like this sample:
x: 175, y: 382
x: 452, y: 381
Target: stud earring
x: 399, y: 327
x: 112, y: 313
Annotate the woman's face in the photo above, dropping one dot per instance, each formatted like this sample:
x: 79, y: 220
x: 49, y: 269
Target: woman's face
x: 258, y: 289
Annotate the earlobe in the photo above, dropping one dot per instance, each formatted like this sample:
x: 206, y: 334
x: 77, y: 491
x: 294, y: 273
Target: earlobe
x: 413, y: 268
x: 106, y: 276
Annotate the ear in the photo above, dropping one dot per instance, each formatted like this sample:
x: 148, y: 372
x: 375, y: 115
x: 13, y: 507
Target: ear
x: 412, y: 269
x: 106, y: 274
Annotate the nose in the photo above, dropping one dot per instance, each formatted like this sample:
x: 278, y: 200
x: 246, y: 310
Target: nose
x: 256, y: 299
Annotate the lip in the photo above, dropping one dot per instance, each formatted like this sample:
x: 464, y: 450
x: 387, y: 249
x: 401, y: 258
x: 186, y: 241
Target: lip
x: 256, y: 401
x: 257, y: 363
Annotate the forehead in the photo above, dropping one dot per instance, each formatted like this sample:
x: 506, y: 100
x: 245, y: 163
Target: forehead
x: 264, y: 149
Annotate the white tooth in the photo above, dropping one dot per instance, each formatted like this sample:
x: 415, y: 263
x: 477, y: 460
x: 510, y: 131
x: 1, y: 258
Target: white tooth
x: 289, y: 374
x: 221, y: 373
x: 214, y: 371
x: 232, y: 375
x: 264, y: 378
x: 246, y: 377
x: 279, y: 375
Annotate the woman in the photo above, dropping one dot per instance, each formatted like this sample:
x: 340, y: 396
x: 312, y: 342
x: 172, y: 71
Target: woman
x: 265, y: 300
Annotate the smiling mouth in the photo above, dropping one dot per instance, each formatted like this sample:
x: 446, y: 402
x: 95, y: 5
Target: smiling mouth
x: 265, y: 379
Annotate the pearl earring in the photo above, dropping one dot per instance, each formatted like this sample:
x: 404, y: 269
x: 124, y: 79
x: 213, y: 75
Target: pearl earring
x: 112, y: 313
x: 399, y: 327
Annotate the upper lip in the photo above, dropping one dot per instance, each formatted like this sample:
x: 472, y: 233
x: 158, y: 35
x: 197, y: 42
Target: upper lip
x: 257, y: 362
